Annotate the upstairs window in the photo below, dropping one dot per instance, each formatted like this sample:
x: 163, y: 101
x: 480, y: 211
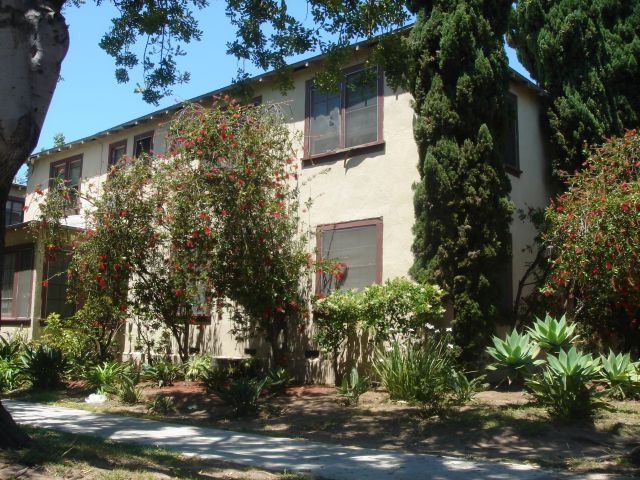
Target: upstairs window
x: 68, y: 171
x: 13, y: 211
x: 357, y: 249
x: 143, y: 144
x: 350, y: 117
x: 117, y: 150
x: 511, y: 147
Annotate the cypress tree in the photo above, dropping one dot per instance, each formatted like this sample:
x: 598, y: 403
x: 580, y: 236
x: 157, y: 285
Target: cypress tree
x: 458, y: 76
x: 585, y: 54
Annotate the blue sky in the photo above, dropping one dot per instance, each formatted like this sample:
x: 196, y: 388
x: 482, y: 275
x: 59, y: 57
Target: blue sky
x: 88, y: 99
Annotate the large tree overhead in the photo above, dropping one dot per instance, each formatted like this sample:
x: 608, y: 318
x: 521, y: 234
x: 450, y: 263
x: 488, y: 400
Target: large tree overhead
x: 585, y: 54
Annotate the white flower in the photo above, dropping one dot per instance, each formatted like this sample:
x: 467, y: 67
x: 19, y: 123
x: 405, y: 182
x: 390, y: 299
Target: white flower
x: 448, y: 329
x: 429, y: 326
x: 449, y: 345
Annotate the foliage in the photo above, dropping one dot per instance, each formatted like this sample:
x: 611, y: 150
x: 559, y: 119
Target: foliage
x: 515, y: 356
x: 162, y: 372
x: 566, y: 386
x: 278, y: 379
x: 583, y: 54
x: 395, y: 310
x: 457, y: 72
x: 105, y: 377
x: 622, y: 375
x: 420, y: 371
x: 44, y: 366
x: 10, y: 374
x: 399, y: 308
x: 594, y: 236
x: 463, y: 388
x: 242, y: 394
x: 74, y: 339
x: 10, y: 347
x: 553, y: 335
x: 161, y: 405
x: 196, y: 368
x: 169, y: 237
x: 352, y: 387
x: 128, y: 393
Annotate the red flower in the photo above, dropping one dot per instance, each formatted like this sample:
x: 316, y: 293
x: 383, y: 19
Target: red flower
x: 45, y: 283
x: 609, y: 265
x: 178, y: 292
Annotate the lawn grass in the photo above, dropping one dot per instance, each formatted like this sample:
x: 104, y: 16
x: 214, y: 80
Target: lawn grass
x: 61, y: 455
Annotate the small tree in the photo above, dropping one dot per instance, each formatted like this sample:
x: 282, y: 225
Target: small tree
x: 594, y: 235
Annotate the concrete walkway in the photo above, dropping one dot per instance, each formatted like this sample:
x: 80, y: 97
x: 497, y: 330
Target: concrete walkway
x: 270, y: 453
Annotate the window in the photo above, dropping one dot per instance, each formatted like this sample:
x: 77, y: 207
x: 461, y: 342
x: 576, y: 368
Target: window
x: 349, y: 118
x: 142, y: 143
x: 69, y: 171
x: 357, y: 246
x: 117, y: 151
x: 511, y: 156
x: 54, y: 294
x: 13, y: 211
x: 17, y: 278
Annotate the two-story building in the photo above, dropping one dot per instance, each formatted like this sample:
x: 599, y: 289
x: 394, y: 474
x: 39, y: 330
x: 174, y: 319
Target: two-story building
x: 362, y: 206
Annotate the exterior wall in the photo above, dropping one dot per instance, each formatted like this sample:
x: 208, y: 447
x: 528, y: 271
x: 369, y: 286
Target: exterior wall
x: 357, y: 185
x: 529, y: 189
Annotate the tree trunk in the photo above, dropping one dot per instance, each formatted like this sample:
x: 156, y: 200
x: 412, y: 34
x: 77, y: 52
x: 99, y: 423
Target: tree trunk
x: 34, y: 39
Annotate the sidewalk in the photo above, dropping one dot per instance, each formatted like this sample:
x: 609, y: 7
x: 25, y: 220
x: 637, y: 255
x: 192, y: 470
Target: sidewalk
x: 271, y: 453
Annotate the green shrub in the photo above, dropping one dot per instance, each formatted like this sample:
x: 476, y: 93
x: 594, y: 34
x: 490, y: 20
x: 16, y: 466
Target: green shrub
x: 161, y: 405
x: 196, y: 367
x: 621, y: 374
x: 11, y: 347
x: 514, y: 357
x: 553, y: 335
x: 241, y: 394
x: 11, y: 376
x: 419, y: 372
x: 567, y: 386
x: 463, y: 389
x: 162, y: 372
x: 278, y: 379
x: 128, y: 393
x: 43, y: 366
x: 352, y: 387
x: 105, y: 377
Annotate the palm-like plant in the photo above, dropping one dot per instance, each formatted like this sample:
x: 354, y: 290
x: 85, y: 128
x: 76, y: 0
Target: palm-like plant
x: 515, y: 356
x: 553, y: 335
x: 622, y: 375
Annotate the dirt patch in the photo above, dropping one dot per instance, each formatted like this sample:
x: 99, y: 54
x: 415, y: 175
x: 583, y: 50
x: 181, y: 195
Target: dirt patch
x: 495, y: 425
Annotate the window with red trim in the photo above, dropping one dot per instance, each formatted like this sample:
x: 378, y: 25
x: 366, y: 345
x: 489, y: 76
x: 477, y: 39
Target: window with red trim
x: 117, y: 150
x: 356, y: 248
x: 344, y: 119
x: 68, y: 171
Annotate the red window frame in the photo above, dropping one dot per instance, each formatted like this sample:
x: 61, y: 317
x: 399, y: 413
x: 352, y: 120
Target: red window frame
x: 341, y: 148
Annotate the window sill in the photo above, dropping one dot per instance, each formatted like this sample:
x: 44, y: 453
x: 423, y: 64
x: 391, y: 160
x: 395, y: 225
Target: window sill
x: 15, y: 321
x: 511, y: 170
x: 343, y: 153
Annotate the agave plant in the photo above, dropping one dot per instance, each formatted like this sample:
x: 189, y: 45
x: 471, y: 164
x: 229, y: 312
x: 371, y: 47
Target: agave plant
x: 515, y: 356
x: 622, y: 375
x: 553, y: 335
x: 567, y: 387
x: 43, y: 366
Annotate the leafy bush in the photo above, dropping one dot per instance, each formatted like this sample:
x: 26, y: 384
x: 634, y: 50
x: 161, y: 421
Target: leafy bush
x: 73, y: 339
x: 515, y: 356
x: 352, y: 387
x: 241, y: 394
x: 162, y: 372
x: 105, y: 377
x: 622, y: 375
x: 197, y: 367
x: 278, y: 379
x: 553, y: 335
x: 420, y: 372
x: 161, y: 405
x: 10, y: 348
x: 11, y: 376
x: 463, y: 389
x: 43, y: 366
x: 128, y: 393
x: 566, y: 387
